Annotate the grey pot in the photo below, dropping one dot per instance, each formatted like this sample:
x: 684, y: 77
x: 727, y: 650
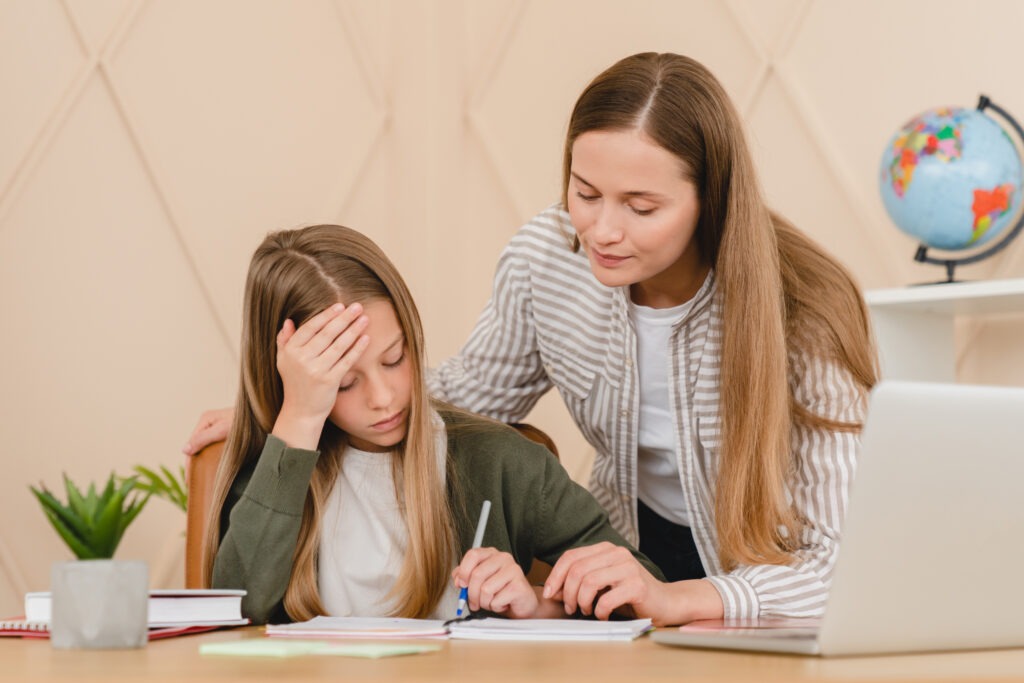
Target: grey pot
x: 100, y: 604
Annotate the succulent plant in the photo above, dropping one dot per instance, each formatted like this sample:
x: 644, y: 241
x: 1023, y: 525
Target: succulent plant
x: 92, y: 523
x: 171, y: 487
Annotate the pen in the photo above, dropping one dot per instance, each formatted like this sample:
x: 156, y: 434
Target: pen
x: 485, y: 510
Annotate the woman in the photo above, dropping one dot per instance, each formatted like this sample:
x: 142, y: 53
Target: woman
x: 717, y: 360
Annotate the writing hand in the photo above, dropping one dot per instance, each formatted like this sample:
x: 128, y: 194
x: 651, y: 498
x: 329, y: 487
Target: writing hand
x: 496, y: 583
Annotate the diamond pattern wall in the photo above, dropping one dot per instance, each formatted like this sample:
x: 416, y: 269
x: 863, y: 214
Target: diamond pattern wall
x: 147, y: 145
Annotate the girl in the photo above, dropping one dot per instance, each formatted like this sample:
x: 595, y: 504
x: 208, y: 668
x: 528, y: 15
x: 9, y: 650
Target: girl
x: 343, y: 489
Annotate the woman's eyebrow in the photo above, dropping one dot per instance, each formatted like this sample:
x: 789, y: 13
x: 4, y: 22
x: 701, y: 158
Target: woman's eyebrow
x: 647, y: 194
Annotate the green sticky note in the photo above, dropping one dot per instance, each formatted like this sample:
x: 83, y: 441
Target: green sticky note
x: 375, y: 650
x: 264, y: 647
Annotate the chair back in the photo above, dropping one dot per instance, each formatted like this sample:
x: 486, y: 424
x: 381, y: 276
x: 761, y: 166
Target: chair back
x: 202, y: 473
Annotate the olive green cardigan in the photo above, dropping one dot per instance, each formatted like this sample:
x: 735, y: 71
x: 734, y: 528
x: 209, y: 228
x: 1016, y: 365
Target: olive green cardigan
x: 537, y: 511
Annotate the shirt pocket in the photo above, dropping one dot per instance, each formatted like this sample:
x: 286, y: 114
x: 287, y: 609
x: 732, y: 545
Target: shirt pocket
x: 574, y: 380
x: 709, y: 433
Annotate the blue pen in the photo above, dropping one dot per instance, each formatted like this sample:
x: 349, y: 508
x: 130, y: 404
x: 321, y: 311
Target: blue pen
x: 485, y: 510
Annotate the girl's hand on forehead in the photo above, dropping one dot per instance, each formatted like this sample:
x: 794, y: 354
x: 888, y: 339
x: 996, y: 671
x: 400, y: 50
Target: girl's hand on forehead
x: 314, y: 358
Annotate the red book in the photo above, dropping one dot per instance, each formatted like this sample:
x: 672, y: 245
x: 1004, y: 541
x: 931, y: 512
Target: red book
x: 40, y: 629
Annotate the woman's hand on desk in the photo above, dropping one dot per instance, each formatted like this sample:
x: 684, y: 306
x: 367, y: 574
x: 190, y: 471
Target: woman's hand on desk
x: 603, y: 578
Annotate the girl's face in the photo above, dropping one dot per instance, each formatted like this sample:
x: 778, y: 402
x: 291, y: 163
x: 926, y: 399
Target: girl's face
x: 373, y: 398
x: 635, y: 213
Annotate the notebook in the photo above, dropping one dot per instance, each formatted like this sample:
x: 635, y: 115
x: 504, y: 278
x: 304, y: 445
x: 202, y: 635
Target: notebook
x: 361, y: 627
x: 932, y: 544
x: 551, y: 630
x: 22, y: 628
x: 474, y: 628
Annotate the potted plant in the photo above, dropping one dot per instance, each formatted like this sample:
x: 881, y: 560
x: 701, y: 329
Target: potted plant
x: 169, y: 486
x: 97, y: 602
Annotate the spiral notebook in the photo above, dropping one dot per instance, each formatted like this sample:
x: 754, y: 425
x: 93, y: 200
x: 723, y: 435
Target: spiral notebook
x: 469, y: 628
x: 21, y: 628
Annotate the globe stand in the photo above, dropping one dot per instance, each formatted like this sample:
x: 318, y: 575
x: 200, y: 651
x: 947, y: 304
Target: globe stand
x: 922, y: 251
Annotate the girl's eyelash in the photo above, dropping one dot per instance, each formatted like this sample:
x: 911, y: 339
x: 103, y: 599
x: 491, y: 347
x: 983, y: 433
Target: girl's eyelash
x: 397, y: 362
x: 586, y: 197
x: 642, y: 212
x: 345, y: 388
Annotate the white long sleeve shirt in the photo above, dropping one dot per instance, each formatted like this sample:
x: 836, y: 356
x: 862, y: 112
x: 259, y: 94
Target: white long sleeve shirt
x: 551, y: 323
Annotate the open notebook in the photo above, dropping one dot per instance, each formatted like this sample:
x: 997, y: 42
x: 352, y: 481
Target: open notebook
x: 477, y: 629
x: 931, y: 550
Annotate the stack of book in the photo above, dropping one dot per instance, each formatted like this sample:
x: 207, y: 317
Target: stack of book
x: 171, y: 613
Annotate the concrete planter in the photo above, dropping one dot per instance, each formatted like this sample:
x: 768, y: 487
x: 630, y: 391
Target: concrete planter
x: 101, y: 604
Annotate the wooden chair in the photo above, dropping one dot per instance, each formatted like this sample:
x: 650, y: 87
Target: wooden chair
x: 202, y: 472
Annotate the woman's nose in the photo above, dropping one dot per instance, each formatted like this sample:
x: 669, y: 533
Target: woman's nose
x: 605, y: 229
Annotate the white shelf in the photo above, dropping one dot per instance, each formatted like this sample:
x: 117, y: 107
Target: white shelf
x: 914, y: 325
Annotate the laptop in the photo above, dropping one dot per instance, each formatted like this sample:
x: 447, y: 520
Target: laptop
x: 933, y: 541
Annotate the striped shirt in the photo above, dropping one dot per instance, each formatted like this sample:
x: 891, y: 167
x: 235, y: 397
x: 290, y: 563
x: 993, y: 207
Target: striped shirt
x: 550, y: 323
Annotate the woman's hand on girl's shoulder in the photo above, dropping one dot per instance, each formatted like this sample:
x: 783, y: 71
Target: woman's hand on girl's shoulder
x: 602, y: 578
x: 213, y: 425
x: 496, y: 583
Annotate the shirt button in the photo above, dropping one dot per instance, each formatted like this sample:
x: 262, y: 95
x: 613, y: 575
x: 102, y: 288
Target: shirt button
x: 624, y: 412
x: 629, y: 362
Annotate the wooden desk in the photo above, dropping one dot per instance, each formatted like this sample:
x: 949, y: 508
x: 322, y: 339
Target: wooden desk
x: 177, y: 660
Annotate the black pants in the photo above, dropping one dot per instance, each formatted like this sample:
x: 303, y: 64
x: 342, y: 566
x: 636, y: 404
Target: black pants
x: 669, y: 545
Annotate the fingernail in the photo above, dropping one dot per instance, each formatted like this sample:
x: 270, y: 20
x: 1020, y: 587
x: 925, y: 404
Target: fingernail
x: 187, y: 448
x: 338, y: 308
x: 547, y: 592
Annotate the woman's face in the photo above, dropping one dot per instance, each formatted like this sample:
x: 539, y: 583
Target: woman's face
x: 635, y: 213
x: 372, y: 407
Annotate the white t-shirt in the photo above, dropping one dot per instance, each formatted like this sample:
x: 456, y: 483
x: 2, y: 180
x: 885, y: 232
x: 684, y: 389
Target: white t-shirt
x: 363, y: 540
x: 658, y: 482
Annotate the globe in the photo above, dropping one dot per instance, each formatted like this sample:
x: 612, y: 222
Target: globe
x: 951, y: 178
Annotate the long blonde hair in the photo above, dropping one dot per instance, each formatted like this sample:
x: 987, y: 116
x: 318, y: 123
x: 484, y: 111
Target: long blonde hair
x: 295, y: 274
x: 781, y: 294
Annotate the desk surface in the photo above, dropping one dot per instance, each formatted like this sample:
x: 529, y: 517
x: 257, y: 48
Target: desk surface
x: 178, y: 660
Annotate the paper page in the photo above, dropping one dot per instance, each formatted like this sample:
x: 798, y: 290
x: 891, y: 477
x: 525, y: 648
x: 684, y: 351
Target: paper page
x: 361, y: 627
x: 548, y: 629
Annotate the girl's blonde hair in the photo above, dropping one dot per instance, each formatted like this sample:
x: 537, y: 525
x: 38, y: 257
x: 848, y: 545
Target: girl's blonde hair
x: 295, y: 274
x: 782, y: 296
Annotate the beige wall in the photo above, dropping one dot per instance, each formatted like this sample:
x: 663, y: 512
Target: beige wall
x: 145, y: 148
